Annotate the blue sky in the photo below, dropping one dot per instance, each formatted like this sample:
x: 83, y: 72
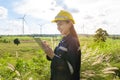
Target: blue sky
x: 88, y: 14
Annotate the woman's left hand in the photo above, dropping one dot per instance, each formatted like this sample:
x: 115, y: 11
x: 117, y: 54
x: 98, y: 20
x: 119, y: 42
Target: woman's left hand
x: 48, y: 50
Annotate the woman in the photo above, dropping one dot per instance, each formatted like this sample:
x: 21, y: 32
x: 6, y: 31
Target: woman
x: 66, y: 58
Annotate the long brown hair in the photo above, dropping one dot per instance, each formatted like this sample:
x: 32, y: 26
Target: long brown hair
x: 72, y: 30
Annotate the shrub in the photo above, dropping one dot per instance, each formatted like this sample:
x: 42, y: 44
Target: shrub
x: 16, y: 41
x: 100, y: 35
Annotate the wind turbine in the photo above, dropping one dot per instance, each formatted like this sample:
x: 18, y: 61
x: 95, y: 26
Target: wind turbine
x: 83, y: 28
x: 40, y: 28
x: 41, y: 25
x: 23, y: 22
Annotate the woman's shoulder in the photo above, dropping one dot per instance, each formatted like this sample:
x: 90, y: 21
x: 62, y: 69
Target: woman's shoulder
x: 72, y: 39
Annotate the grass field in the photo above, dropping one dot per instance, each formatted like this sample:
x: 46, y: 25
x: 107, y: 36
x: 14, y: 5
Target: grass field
x: 27, y: 61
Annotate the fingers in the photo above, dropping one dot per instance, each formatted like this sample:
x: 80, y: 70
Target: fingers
x: 47, y: 49
x: 45, y: 44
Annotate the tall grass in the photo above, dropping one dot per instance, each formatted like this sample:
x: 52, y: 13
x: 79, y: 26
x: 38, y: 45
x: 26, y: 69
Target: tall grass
x: 100, y: 61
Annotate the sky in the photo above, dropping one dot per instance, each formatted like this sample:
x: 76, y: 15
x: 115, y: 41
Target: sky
x: 37, y: 15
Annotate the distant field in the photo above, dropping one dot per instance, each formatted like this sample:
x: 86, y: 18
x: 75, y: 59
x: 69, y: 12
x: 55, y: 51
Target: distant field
x: 28, y: 61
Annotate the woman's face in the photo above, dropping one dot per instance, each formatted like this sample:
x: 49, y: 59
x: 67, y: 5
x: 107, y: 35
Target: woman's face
x: 64, y: 27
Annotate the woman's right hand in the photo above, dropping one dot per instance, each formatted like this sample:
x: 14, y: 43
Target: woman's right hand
x: 47, y: 49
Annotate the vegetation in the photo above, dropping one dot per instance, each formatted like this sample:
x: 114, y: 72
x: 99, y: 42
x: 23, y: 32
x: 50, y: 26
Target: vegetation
x: 16, y: 41
x: 100, y: 35
x: 100, y: 61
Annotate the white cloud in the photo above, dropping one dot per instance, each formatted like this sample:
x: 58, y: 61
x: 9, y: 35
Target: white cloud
x: 42, y: 9
x: 10, y: 27
x: 3, y: 12
x: 97, y: 13
x: 92, y: 13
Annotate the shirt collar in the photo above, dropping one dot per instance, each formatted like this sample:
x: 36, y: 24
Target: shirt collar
x: 66, y: 37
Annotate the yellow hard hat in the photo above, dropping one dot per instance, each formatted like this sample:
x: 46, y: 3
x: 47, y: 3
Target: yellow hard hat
x: 64, y: 15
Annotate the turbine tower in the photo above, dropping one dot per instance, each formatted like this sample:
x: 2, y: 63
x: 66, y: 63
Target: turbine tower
x: 41, y: 26
x: 83, y: 28
x: 23, y: 22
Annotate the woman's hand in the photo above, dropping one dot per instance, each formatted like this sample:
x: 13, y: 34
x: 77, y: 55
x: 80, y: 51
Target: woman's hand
x: 47, y: 49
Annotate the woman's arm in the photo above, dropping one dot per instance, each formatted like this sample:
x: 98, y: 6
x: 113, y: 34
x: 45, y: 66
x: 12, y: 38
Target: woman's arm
x: 49, y: 52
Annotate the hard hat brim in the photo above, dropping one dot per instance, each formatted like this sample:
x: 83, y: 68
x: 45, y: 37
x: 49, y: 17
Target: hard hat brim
x: 55, y: 20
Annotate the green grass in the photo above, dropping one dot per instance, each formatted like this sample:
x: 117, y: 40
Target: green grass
x: 22, y: 50
x: 30, y: 61
x: 98, y: 56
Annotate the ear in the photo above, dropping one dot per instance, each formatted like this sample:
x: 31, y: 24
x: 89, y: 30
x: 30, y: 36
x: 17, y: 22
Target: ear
x: 70, y: 23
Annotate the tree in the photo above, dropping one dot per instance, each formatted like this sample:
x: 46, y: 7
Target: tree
x: 16, y: 41
x: 101, y: 35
